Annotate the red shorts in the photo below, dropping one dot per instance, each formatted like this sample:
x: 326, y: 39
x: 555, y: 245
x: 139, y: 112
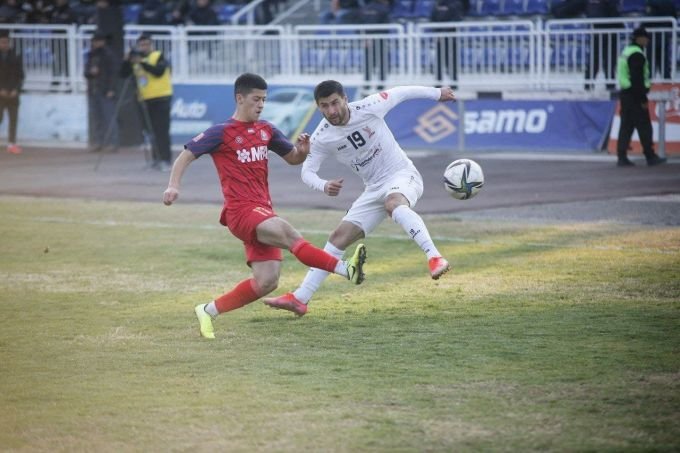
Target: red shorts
x: 242, y: 222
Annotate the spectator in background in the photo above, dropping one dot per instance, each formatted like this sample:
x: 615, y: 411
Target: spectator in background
x: 152, y: 73
x: 447, y: 46
x: 11, y: 80
x: 567, y: 9
x: 60, y: 14
x: 152, y: 13
x: 37, y: 11
x: 180, y: 10
x: 264, y: 13
x: 10, y: 13
x: 109, y: 21
x: 376, y: 49
x: 342, y: 12
x: 202, y: 13
x: 634, y: 79
x: 659, y: 53
x: 101, y: 85
x: 603, y: 46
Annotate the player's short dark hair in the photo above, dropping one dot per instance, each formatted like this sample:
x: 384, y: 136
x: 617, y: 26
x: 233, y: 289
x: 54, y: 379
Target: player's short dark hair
x: 245, y: 83
x: 4, y: 34
x: 327, y: 88
x: 144, y: 37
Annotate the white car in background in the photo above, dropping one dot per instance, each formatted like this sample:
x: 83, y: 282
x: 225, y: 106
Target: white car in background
x: 286, y: 108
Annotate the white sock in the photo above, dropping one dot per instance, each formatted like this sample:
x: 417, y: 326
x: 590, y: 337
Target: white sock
x: 414, y: 226
x: 211, y: 309
x: 315, y: 277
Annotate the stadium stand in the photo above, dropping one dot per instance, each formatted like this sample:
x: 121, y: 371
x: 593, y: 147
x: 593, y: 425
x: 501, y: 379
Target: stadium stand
x: 499, y: 40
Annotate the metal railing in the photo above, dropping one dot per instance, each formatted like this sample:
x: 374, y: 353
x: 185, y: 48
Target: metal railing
x: 556, y: 54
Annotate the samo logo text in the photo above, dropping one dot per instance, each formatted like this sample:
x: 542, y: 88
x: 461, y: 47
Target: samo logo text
x: 509, y: 121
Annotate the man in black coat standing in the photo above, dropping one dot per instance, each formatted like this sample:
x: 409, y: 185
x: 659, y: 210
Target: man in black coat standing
x: 11, y: 80
x: 100, y: 72
x: 603, y: 44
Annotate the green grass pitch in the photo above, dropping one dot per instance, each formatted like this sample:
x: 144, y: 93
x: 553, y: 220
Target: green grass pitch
x: 550, y: 337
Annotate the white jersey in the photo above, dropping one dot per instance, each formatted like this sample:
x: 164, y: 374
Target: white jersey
x: 365, y: 143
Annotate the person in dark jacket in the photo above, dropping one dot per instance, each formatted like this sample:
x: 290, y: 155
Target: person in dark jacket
x: 101, y: 84
x: 11, y: 80
x: 10, y: 12
x: 634, y: 80
x: 60, y: 14
x: 203, y: 14
x: 447, y: 47
x: 376, y: 49
x: 109, y: 20
x: 603, y: 45
x: 152, y: 13
x: 180, y: 10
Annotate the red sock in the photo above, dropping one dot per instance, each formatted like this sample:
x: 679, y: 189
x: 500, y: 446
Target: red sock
x: 242, y: 294
x: 312, y: 256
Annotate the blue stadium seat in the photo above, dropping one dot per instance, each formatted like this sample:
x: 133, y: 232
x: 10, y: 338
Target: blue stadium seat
x: 491, y: 8
x: 38, y: 55
x: 537, y: 7
x: 423, y: 8
x: 632, y: 6
x: 403, y: 9
x: 225, y: 11
x: 131, y: 13
x: 514, y: 7
x: 518, y: 57
x: 312, y: 58
x: 573, y: 56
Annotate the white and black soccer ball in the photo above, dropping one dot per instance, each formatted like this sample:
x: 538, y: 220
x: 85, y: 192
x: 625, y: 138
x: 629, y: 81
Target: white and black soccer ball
x: 463, y: 179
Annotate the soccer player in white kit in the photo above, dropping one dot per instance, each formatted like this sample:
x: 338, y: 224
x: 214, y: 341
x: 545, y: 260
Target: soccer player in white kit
x: 357, y: 135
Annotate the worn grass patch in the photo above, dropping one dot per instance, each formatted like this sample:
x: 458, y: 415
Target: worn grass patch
x: 542, y: 338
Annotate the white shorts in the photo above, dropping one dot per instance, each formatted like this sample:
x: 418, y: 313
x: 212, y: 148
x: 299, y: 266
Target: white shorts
x: 368, y: 211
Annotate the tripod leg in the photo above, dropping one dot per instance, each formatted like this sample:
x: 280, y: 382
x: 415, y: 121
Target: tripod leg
x: 109, y: 130
x: 148, y: 125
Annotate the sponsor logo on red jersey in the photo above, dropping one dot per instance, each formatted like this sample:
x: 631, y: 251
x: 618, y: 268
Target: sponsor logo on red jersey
x: 254, y: 154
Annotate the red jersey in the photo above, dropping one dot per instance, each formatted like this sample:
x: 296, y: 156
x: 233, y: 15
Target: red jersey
x: 240, y: 153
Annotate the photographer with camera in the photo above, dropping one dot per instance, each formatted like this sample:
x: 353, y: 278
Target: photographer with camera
x: 154, y: 91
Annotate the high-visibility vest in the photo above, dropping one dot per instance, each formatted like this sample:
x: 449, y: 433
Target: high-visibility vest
x: 623, y: 70
x: 150, y: 86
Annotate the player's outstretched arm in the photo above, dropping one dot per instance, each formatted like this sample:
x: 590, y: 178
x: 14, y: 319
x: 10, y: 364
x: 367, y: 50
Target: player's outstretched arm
x: 181, y: 163
x: 300, y: 151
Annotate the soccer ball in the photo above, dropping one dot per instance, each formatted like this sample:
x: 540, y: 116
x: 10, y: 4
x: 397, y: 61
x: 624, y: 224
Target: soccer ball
x: 463, y: 178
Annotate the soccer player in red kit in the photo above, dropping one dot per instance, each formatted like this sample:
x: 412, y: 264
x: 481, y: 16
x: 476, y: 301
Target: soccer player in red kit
x: 239, y: 149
